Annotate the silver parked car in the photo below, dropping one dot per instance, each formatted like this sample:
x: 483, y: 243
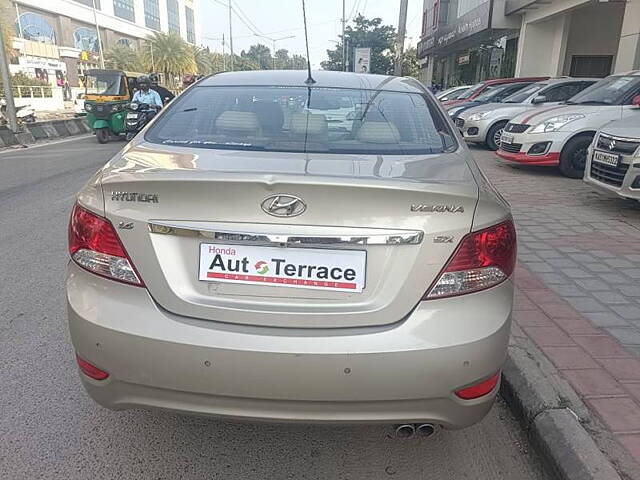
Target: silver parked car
x: 243, y: 258
x: 485, y: 123
x: 613, y: 159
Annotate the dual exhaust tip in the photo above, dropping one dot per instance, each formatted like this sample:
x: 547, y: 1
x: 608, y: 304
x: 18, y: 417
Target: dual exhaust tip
x: 409, y: 430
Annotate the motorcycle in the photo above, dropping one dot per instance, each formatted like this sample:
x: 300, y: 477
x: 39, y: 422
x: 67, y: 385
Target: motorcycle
x: 138, y: 115
x: 24, y: 114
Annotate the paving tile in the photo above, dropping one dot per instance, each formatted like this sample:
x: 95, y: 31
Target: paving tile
x: 613, y: 278
x: 576, y: 273
x: 549, y: 254
x: 625, y: 335
x: 631, y: 443
x: 601, y: 346
x: 532, y: 318
x: 630, y: 290
x: 620, y: 414
x: 594, y: 381
x: 585, y: 304
x: 522, y: 303
x: 623, y: 369
x: 602, y: 254
x: 582, y: 257
x: 610, y: 298
x: 538, y: 267
x: 635, y: 257
x: 606, y: 319
x: 577, y: 326
x: 598, y: 267
x: 630, y: 312
x: 549, y: 336
x: 528, y: 257
x: 567, y: 290
x: 552, y: 279
x: 618, y: 262
x: 559, y: 310
x: 544, y: 296
x: 593, y: 284
x: 569, y: 357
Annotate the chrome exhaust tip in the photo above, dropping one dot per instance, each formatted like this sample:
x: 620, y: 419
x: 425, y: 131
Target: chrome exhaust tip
x: 426, y: 430
x: 405, y: 431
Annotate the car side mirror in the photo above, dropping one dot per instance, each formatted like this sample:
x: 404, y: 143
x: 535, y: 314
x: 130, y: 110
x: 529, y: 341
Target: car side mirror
x: 636, y: 101
x: 539, y: 99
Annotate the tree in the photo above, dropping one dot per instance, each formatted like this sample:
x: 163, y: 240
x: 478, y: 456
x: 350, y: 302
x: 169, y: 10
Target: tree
x: 283, y: 61
x: 123, y: 57
x: 204, y: 59
x: 168, y: 53
x: 7, y: 28
x: 410, y: 65
x: 259, y: 54
x: 366, y: 34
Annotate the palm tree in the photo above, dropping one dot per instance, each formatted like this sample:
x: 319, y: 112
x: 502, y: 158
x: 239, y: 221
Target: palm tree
x: 205, y: 61
x: 168, y: 53
x: 123, y: 57
x: 7, y: 29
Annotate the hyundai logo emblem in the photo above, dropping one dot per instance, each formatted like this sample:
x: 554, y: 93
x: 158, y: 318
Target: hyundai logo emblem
x: 283, y: 205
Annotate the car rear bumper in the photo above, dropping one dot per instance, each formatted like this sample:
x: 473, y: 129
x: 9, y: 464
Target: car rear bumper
x: 405, y: 372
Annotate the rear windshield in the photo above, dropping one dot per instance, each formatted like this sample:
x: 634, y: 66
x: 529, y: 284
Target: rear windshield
x: 525, y: 93
x: 614, y: 90
x: 475, y: 88
x: 497, y: 93
x: 300, y: 119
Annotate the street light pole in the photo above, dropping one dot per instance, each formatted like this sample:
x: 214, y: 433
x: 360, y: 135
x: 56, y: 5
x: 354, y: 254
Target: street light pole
x: 402, y: 31
x: 95, y: 19
x: 344, y: 47
x: 8, y: 92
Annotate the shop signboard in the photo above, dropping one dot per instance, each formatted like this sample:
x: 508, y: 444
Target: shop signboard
x: 362, y: 60
x: 464, y: 26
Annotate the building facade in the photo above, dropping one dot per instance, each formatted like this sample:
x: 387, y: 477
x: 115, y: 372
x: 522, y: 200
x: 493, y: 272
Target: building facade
x: 57, y: 40
x: 465, y: 41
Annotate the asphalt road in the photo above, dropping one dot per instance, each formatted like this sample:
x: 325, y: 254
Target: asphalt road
x: 50, y: 429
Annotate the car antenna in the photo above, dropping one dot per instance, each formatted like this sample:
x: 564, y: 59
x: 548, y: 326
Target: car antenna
x: 310, y: 79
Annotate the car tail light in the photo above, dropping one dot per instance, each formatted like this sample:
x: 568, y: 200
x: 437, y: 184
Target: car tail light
x: 91, y: 370
x: 482, y: 260
x: 479, y: 389
x: 95, y: 246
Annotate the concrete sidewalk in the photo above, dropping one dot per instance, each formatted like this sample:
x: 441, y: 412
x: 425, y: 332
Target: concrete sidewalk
x: 578, y: 292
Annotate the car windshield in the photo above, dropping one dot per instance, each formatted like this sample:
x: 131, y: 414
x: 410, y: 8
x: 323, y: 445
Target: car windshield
x: 609, y: 91
x: 525, y: 93
x: 475, y: 88
x: 496, y: 93
x: 304, y: 119
x: 105, y: 83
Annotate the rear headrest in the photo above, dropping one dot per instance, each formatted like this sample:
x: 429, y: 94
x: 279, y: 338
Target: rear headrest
x: 378, y: 132
x: 238, y: 122
x: 313, y: 124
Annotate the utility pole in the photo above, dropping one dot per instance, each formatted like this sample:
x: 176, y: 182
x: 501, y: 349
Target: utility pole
x: 402, y: 31
x: 344, y: 47
x: 8, y: 92
x: 95, y: 19
x: 231, y: 37
x: 224, y: 60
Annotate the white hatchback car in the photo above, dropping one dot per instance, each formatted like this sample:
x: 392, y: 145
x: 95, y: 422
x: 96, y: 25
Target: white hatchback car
x: 613, y: 163
x: 560, y: 135
x: 485, y: 123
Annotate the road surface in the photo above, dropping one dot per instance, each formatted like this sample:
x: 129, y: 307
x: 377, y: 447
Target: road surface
x: 50, y: 429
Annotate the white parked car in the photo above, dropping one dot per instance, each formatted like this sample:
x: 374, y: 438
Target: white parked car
x: 485, y: 123
x: 560, y: 135
x: 613, y: 163
x: 78, y: 105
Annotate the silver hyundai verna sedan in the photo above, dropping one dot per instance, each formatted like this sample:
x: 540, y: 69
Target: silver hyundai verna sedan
x: 245, y: 257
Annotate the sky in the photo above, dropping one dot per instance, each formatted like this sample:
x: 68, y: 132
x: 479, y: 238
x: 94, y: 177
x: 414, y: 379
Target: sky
x: 283, y: 18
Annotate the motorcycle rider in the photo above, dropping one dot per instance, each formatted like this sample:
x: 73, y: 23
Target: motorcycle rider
x: 146, y: 94
x: 165, y: 95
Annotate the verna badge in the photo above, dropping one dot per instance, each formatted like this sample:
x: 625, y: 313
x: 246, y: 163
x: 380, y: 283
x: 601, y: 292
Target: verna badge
x: 283, y: 205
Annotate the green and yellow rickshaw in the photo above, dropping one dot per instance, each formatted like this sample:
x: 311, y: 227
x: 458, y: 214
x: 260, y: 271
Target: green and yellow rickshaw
x: 107, y: 94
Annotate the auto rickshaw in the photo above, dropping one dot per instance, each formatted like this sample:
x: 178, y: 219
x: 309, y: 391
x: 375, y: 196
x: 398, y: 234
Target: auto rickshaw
x: 107, y: 94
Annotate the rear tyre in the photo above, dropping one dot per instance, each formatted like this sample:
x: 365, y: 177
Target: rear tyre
x: 130, y: 136
x: 102, y: 134
x: 493, y: 136
x: 573, y: 157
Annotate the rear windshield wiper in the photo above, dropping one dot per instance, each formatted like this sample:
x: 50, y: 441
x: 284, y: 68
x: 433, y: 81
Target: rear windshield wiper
x: 591, y: 102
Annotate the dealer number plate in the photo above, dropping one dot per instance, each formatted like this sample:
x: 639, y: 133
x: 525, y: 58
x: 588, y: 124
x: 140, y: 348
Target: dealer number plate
x: 506, y: 138
x: 606, y: 158
x: 340, y: 270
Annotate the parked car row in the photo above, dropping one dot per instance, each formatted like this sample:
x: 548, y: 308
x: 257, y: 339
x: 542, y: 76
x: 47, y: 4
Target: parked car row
x: 586, y: 127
